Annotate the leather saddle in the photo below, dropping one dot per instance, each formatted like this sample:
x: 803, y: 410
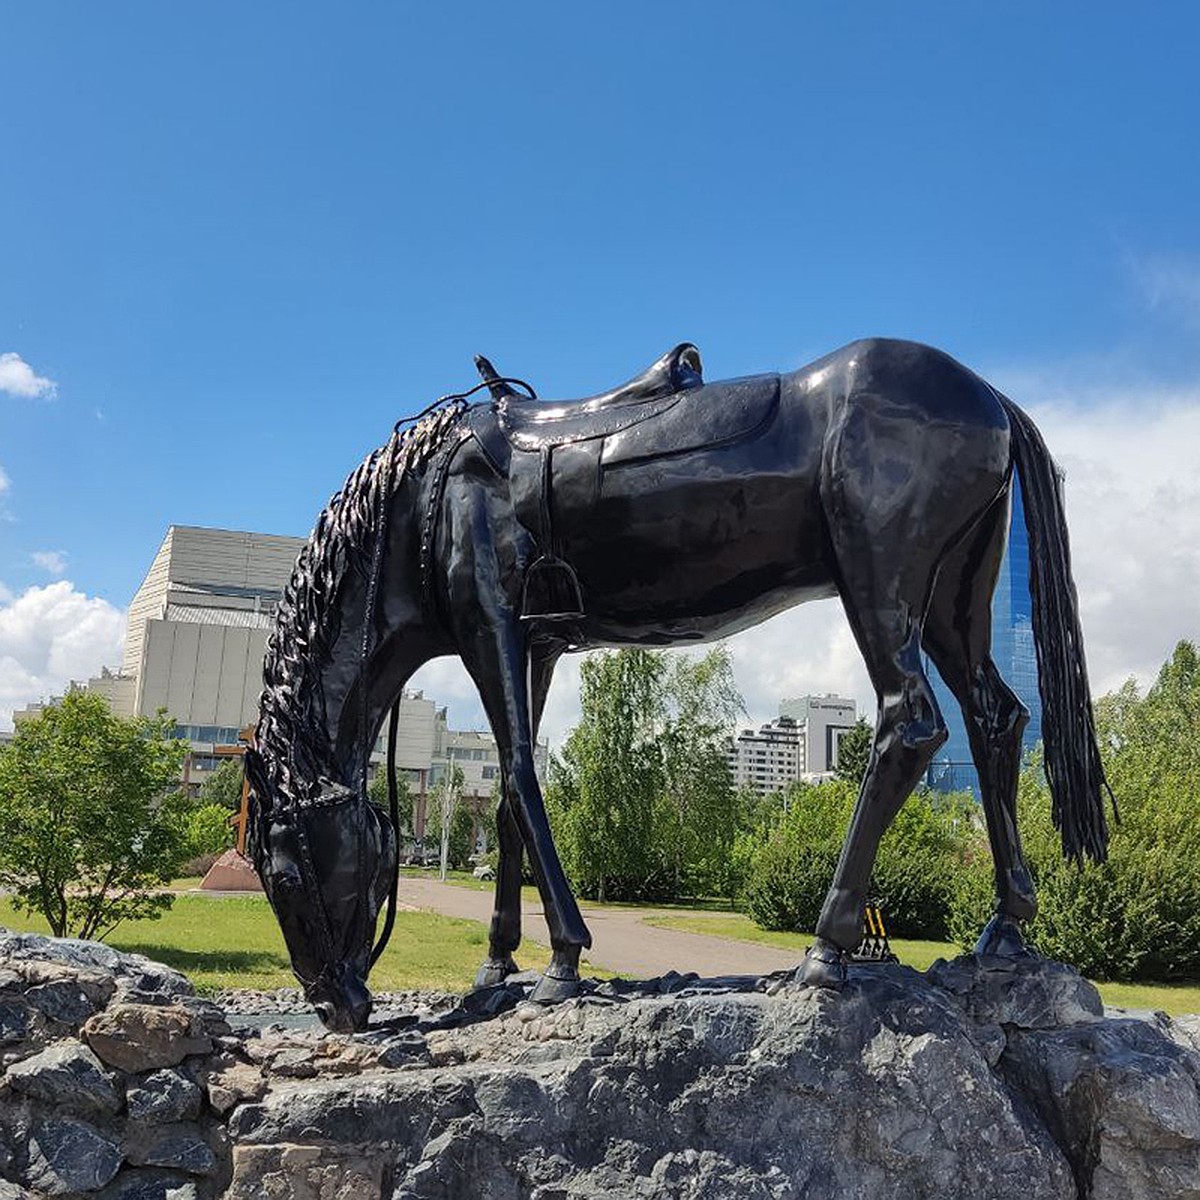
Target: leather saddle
x: 533, y: 425
x: 552, y: 450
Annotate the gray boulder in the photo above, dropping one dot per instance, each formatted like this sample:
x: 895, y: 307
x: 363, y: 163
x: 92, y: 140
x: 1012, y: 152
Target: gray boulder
x: 883, y: 1090
x: 68, y: 1156
x: 1122, y: 1101
x: 128, y: 971
x: 1027, y: 993
x: 162, y: 1096
x: 69, y: 1076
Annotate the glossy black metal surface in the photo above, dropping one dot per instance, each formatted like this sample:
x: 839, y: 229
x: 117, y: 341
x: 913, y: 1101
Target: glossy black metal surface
x: 664, y: 512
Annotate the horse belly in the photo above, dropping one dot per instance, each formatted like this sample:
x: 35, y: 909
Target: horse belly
x: 699, y: 545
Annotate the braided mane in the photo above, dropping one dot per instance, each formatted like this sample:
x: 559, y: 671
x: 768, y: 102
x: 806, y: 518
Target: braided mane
x: 291, y: 739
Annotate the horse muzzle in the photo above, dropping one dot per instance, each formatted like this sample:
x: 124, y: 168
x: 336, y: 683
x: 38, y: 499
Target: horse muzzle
x: 342, y: 1001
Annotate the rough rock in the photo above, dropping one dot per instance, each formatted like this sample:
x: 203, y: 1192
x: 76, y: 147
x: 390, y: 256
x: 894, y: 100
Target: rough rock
x: 12, y: 1191
x: 1028, y: 993
x: 142, y: 1037
x: 291, y: 1172
x: 126, y: 971
x: 14, y: 1021
x: 67, y: 1156
x: 235, y: 1084
x: 833, y: 1094
x: 979, y: 1079
x: 1122, y: 1101
x: 149, y: 1184
x: 163, y: 1096
x: 181, y: 1146
x: 67, y: 1074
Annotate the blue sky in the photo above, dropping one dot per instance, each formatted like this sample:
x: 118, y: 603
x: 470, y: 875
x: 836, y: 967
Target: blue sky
x: 240, y: 240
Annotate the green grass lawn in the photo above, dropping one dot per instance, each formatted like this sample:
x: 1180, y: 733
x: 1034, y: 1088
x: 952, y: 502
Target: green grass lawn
x: 235, y: 942
x: 1169, y: 997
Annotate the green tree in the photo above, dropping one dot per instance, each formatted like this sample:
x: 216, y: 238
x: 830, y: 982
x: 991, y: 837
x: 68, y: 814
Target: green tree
x: 641, y: 798
x: 92, y: 823
x: 603, y: 789
x: 854, y: 752
x: 462, y: 844
x: 224, y: 786
x: 699, y: 816
x: 209, y: 831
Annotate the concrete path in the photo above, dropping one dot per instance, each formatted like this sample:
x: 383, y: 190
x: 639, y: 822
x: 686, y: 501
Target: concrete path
x: 621, y: 939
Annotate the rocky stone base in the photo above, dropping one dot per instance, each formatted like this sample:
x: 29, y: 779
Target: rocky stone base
x: 979, y: 1079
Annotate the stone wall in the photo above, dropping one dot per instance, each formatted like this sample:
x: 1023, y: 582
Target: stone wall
x: 972, y: 1081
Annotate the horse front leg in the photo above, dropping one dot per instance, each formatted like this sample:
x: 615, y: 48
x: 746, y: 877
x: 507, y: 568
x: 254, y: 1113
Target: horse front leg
x: 497, y: 660
x: 504, y: 934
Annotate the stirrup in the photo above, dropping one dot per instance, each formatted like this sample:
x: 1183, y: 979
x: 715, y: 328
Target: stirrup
x: 551, y: 591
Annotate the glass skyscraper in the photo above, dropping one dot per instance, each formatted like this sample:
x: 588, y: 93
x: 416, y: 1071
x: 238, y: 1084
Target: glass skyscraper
x: 953, y: 769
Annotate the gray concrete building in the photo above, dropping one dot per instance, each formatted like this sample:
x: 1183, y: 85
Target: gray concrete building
x: 825, y: 720
x: 800, y: 744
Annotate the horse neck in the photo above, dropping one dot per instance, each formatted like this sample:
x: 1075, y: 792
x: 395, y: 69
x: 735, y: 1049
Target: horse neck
x: 358, y: 689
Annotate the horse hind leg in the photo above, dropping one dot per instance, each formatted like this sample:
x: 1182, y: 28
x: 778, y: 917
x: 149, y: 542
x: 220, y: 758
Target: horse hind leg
x: 958, y: 634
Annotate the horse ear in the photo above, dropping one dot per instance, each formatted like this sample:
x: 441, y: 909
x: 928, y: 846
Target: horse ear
x: 490, y: 376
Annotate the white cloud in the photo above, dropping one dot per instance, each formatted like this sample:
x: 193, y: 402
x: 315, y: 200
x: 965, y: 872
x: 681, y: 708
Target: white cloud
x: 49, y: 636
x: 5, y: 482
x: 18, y: 378
x: 53, y: 562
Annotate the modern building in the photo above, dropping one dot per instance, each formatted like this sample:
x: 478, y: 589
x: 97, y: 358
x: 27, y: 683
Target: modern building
x: 194, y: 646
x: 953, y: 769
x: 770, y: 759
x: 800, y: 744
x: 825, y: 719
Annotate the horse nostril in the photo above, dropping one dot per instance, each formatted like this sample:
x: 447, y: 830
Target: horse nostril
x: 359, y: 1015
x: 325, y: 1013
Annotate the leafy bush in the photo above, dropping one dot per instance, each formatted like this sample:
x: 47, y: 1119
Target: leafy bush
x: 1136, y: 916
x: 914, y: 874
x: 224, y: 786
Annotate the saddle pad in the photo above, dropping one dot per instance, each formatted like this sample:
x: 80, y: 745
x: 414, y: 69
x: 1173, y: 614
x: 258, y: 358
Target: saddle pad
x: 535, y: 425
x: 712, y: 415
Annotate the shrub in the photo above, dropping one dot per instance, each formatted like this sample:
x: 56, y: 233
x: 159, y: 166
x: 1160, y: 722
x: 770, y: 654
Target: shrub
x: 915, y: 871
x: 1136, y: 916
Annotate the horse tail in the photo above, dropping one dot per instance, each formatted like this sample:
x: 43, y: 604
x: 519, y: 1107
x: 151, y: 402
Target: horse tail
x: 1071, y: 751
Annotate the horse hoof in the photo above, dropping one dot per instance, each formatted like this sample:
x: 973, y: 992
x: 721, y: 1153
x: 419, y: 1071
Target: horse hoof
x: 553, y: 989
x: 1002, y: 938
x: 494, y: 972
x: 824, y: 966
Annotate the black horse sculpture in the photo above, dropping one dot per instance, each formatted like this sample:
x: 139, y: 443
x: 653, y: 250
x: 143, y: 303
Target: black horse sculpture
x: 665, y: 512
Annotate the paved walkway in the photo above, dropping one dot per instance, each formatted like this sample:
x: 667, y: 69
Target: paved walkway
x: 621, y: 939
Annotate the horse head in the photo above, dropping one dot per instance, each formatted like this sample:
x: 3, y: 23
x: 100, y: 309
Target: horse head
x: 327, y: 866
x: 349, y: 630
